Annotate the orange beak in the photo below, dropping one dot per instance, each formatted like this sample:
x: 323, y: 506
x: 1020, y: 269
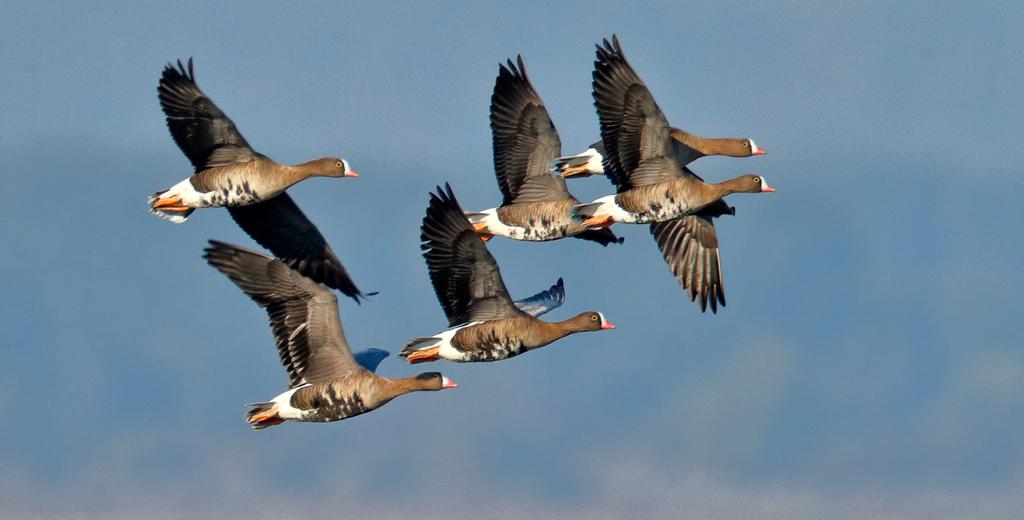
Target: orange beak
x: 448, y: 383
x: 760, y: 151
x: 767, y: 189
x: 351, y: 173
x: 607, y: 325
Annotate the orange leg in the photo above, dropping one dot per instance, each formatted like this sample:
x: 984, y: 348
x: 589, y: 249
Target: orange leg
x: 273, y: 421
x: 576, y: 171
x: 266, y: 416
x: 176, y: 209
x: 601, y: 221
x: 480, y: 228
x: 169, y: 201
x: 422, y: 356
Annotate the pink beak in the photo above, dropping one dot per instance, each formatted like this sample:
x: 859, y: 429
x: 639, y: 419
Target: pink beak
x: 767, y: 189
x: 607, y: 325
x: 759, y: 151
x: 351, y: 173
x: 448, y: 383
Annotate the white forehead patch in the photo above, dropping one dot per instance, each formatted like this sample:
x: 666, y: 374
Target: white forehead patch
x: 753, y: 146
x: 603, y: 321
x: 345, y: 164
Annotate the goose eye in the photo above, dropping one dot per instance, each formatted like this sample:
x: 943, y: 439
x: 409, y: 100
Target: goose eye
x: 757, y: 179
x: 593, y: 318
x: 338, y: 164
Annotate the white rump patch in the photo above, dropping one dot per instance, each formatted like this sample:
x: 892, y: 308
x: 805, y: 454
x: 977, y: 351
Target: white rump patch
x: 285, y: 410
x: 608, y: 206
x: 496, y: 227
x: 594, y: 164
x: 445, y: 347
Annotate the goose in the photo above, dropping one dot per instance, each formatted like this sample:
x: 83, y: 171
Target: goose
x: 484, y: 323
x: 325, y: 382
x: 686, y: 148
x: 536, y: 206
x: 229, y: 173
x: 651, y: 186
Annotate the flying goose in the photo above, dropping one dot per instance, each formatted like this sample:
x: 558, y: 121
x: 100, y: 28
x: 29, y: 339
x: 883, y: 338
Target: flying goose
x: 651, y: 186
x: 325, y: 383
x: 485, y: 324
x: 686, y: 148
x: 536, y: 205
x: 228, y: 172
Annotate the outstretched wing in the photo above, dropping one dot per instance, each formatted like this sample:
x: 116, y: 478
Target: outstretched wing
x: 544, y: 301
x: 280, y: 226
x: 370, y: 358
x: 206, y: 136
x: 303, y: 314
x: 689, y: 245
x: 634, y: 131
x: 525, y: 139
x: 465, y: 276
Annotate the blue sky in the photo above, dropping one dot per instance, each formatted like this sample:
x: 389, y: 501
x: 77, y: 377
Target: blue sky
x: 869, y: 363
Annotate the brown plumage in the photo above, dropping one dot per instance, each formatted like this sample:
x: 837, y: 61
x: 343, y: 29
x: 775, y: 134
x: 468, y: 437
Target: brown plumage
x: 635, y: 133
x: 536, y: 205
x: 653, y: 184
x: 683, y: 195
x: 485, y: 323
x: 501, y: 339
x: 228, y: 172
x: 687, y: 147
x: 684, y: 149
x: 325, y: 382
x: 690, y: 248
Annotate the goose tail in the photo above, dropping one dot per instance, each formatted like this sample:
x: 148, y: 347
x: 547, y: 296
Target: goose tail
x: 262, y: 415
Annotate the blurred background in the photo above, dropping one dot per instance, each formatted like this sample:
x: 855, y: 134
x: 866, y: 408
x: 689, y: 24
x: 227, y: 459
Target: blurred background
x: 869, y: 362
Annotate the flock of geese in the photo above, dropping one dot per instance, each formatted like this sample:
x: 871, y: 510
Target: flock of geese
x: 639, y: 152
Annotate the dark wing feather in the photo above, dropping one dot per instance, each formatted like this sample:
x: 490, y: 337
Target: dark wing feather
x: 603, y: 236
x: 633, y: 128
x: 280, y: 226
x: 206, y: 136
x: 370, y: 358
x: 303, y: 314
x: 690, y: 247
x: 544, y: 301
x: 465, y: 276
x: 525, y: 139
